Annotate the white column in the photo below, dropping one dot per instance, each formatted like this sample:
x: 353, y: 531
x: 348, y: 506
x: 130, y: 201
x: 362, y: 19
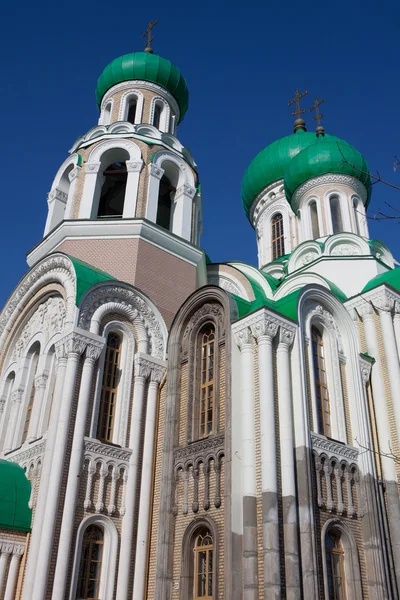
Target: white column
x: 142, y: 372
x: 13, y: 572
x: 392, y: 362
x: 132, y: 185
x: 396, y: 325
x: 288, y: 466
x: 16, y: 399
x: 264, y: 332
x: 93, y: 352
x: 56, y: 202
x: 89, y: 189
x: 142, y: 540
x: 73, y: 178
x: 154, y: 176
x: 182, y: 211
x: 40, y: 384
x: 6, y: 550
x: 75, y: 344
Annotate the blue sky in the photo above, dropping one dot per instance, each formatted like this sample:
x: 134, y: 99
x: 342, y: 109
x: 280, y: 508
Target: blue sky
x: 242, y: 63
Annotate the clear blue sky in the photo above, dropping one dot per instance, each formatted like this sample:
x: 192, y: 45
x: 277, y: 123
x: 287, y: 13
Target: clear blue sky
x: 242, y: 63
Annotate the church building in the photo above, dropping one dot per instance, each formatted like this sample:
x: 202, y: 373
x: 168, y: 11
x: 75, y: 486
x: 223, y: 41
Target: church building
x: 177, y: 429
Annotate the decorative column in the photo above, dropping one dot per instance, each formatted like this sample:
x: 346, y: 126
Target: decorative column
x: 288, y: 467
x: 396, y: 325
x: 40, y: 384
x: 154, y: 177
x: 75, y: 344
x: 244, y: 340
x: 182, y: 212
x: 391, y: 353
x: 56, y: 202
x: 16, y: 399
x: 34, y: 546
x: 366, y: 312
x: 264, y: 330
x: 73, y: 179
x: 6, y: 550
x: 89, y: 189
x: 93, y: 351
x: 18, y: 550
x: 142, y: 540
x: 142, y: 372
x: 132, y: 185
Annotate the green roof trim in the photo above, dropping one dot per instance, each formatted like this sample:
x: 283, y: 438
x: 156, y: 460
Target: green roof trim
x: 391, y: 278
x: 147, y: 67
x: 86, y: 277
x: 366, y: 355
x: 15, y: 491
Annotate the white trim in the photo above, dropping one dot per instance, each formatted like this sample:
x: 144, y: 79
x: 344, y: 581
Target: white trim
x: 102, y: 118
x: 164, y: 116
x: 60, y: 199
x: 305, y: 220
x: 110, y: 550
x: 329, y: 179
x: 344, y: 211
x: 124, y: 106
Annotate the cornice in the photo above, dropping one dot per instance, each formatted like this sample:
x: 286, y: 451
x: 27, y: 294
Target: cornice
x: 332, y: 448
x: 330, y: 178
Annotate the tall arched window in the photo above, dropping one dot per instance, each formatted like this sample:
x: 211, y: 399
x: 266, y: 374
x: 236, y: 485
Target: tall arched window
x: 335, y: 566
x: 356, y: 217
x: 203, y: 567
x: 29, y: 408
x: 113, y: 191
x: 90, y: 563
x: 132, y: 110
x: 206, y: 408
x: 277, y: 236
x: 111, y: 376
x: 336, y: 214
x: 107, y: 114
x: 314, y: 220
x: 321, y: 383
x: 165, y: 197
x: 158, y: 109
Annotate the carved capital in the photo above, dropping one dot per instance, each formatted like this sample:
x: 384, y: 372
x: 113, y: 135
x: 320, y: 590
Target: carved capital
x: 2, y: 403
x: 41, y: 381
x: 74, y: 173
x: 185, y: 190
x: 157, y: 373
x: 92, y: 168
x: 286, y: 336
x: 94, y: 349
x: 243, y: 337
x: 365, y: 309
x: 155, y: 171
x: 365, y: 367
x: 134, y: 166
x: 148, y: 369
x: 57, y: 194
x: 16, y: 396
x: 72, y: 343
x: 265, y: 326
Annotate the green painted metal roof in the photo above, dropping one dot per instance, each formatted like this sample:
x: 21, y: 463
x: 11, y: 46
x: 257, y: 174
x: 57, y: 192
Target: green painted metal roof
x: 391, y: 278
x: 328, y: 154
x: 15, y: 491
x: 148, y: 67
x: 86, y: 276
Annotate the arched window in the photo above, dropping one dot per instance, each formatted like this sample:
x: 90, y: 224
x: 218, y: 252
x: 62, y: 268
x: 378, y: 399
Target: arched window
x: 336, y: 214
x: 107, y: 114
x: 321, y: 383
x: 113, y: 191
x: 356, y: 217
x: 165, y: 197
x: 158, y: 110
x: 314, y: 220
x: 203, y: 567
x: 335, y: 566
x: 132, y: 110
x: 207, y: 355
x: 90, y: 563
x: 277, y: 236
x: 31, y: 399
x: 111, y: 377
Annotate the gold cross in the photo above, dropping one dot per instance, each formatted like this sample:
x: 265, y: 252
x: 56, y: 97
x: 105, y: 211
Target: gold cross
x: 150, y: 38
x: 296, y: 99
x: 318, y: 115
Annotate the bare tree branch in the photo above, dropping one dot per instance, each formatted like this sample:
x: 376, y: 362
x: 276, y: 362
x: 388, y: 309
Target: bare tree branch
x: 378, y: 178
x: 390, y: 454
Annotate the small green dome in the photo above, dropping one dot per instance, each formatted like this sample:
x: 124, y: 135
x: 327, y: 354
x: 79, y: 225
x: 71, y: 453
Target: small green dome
x: 148, y: 67
x: 328, y: 154
x: 15, y: 491
x: 270, y: 164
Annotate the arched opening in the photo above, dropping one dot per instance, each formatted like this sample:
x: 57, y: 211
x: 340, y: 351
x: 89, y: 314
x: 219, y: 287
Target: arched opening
x: 203, y: 567
x: 321, y: 383
x: 33, y: 364
x: 112, y: 196
x: 356, y: 216
x: 91, y: 560
x: 336, y: 214
x: 165, y: 198
x: 7, y: 391
x: 199, y: 579
x: 111, y: 379
x: 132, y: 107
x: 158, y: 110
x: 277, y: 236
x: 314, y: 220
x: 335, y: 566
x: 107, y: 114
x: 206, y: 367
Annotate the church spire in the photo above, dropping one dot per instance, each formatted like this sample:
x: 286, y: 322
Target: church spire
x: 299, y: 122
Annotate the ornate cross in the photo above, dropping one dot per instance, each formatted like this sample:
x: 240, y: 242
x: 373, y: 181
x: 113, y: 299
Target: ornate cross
x: 150, y: 38
x: 318, y: 115
x: 296, y: 99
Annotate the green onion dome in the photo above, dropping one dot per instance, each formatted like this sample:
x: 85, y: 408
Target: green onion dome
x: 147, y: 67
x: 271, y: 163
x: 328, y: 154
x: 15, y: 491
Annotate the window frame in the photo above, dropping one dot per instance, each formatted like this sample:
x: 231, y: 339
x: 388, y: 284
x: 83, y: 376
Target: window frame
x: 87, y: 577
x: 124, y: 106
x: 197, y: 550
x: 209, y: 383
x: 188, y: 556
x: 275, y: 239
x: 351, y: 563
x: 320, y: 364
x: 115, y: 365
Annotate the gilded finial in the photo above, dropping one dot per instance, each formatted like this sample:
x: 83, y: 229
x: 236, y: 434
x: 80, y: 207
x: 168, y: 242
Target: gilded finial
x: 299, y: 122
x: 150, y: 38
x: 318, y: 116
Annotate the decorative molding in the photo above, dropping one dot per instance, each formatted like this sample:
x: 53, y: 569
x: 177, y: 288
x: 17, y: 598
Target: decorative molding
x: 265, y: 325
x: 317, y: 310
x: 224, y: 283
x: 199, y: 450
x: 74, y: 174
x: 215, y: 312
x: 329, y: 179
x: 10, y: 547
x: 365, y: 368
x: 95, y: 449
x: 345, y: 250
x: 185, y: 190
x: 16, y: 396
x: 242, y: 335
x: 286, y: 336
x: 134, y: 166
x: 57, y: 194
x: 27, y: 456
x: 94, y: 349
x: 155, y: 171
x: 92, y: 168
x: 148, y: 369
x: 41, y: 381
x: 333, y: 449
x: 72, y: 343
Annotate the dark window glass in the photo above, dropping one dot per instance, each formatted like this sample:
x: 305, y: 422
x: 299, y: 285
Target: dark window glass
x: 112, y: 195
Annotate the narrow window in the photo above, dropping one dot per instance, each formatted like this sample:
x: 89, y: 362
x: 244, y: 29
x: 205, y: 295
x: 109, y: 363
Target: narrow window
x: 107, y: 114
x: 112, y: 195
x: 29, y: 408
x: 157, y: 115
x: 335, y: 567
x: 111, y: 375
x: 207, y: 353
x: 165, y: 197
x: 336, y: 215
x: 132, y: 110
x: 314, y: 220
x: 321, y: 383
x: 90, y: 563
x: 278, y: 242
x: 356, y: 217
x: 203, y: 580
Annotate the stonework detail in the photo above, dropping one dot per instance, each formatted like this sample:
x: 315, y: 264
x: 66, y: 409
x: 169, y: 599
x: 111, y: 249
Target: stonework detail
x: 331, y: 179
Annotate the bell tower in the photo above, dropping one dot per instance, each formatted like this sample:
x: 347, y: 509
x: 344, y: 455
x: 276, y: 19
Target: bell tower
x: 127, y: 200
